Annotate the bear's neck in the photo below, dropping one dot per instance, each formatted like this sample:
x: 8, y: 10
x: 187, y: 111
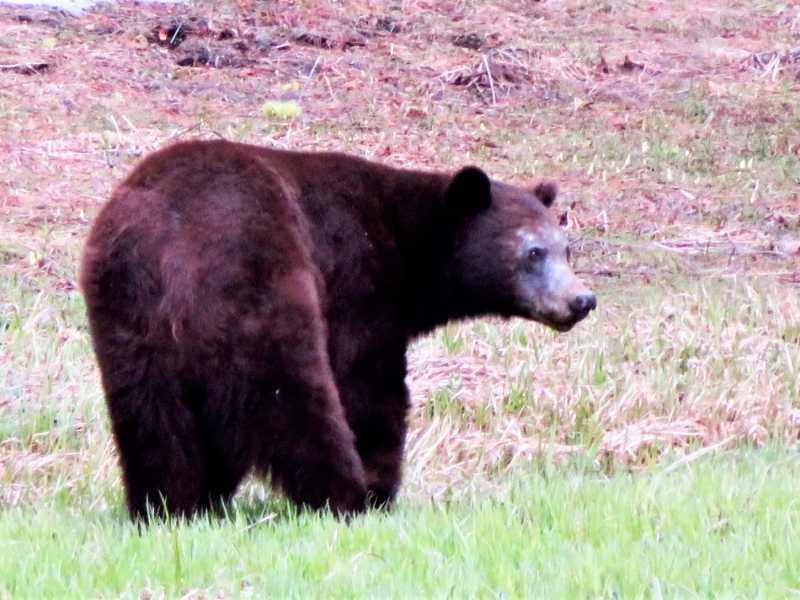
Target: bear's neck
x: 414, y: 211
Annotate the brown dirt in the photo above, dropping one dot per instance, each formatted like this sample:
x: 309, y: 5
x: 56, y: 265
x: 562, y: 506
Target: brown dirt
x: 524, y: 89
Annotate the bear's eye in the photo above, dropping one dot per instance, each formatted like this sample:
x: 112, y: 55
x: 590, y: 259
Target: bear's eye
x: 536, y: 254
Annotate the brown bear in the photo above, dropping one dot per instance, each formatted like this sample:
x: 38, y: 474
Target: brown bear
x: 250, y: 310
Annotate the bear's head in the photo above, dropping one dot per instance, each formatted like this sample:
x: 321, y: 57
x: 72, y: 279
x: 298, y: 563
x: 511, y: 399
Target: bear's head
x: 510, y: 256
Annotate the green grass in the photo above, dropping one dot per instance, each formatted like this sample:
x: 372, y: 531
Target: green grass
x: 725, y: 527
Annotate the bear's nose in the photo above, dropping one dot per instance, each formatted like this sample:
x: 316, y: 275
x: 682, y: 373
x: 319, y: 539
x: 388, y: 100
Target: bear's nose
x: 583, y: 303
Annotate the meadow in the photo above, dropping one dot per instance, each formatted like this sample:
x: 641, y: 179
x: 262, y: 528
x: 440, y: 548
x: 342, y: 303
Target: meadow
x: 652, y: 452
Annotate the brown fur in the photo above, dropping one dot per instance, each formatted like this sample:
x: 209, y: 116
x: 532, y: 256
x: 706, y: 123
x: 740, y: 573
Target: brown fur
x: 250, y: 309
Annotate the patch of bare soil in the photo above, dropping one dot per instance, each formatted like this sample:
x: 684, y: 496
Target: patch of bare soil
x: 649, y: 113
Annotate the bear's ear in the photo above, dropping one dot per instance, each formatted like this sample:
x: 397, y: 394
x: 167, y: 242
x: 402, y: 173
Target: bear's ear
x: 470, y: 191
x: 546, y: 192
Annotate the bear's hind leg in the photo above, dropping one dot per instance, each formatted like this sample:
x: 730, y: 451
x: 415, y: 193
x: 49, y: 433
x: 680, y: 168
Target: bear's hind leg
x: 314, y: 459
x: 308, y: 447
x: 221, y: 485
x: 160, y: 448
x: 228, y: 450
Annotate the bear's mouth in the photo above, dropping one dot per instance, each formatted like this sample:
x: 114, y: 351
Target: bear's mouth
x: 564, y: 325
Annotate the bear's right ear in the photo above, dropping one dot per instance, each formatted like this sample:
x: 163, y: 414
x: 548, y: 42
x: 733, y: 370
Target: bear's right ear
x: 470, y: 191
x: 546, y: 192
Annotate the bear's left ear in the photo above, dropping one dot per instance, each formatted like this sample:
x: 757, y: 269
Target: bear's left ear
x: 470, y: 191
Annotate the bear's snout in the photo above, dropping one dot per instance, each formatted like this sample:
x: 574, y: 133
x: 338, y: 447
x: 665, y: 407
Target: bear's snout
x: 583, y: 304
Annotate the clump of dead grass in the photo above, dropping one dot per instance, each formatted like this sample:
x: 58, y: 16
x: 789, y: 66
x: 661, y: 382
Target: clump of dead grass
x: 705, y: 368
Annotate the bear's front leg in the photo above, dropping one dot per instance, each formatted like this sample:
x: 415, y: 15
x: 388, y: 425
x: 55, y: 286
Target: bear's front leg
x: 376, y: 402
x: 380, y: 439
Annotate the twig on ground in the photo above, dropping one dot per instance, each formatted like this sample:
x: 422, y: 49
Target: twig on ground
x: 300, y: 96
x: 491, y: 81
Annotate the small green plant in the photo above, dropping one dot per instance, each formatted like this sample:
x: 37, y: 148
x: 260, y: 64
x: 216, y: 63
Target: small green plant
x: 698, y: 111
x: 281, y: 110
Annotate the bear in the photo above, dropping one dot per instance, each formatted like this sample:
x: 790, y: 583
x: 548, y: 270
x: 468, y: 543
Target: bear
x: 250, y: 310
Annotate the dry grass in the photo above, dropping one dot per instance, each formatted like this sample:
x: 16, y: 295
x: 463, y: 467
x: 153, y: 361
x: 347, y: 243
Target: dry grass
x: 670, y: 126
x: 652, y: 377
